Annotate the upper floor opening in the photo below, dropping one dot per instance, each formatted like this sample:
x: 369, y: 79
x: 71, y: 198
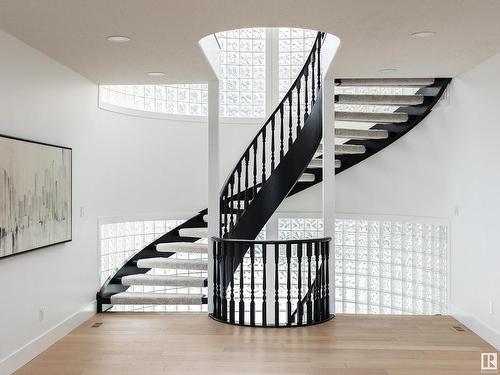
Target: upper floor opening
x: 258, y: 65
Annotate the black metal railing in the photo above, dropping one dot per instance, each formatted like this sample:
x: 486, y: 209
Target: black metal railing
x: 278, y: 283
x: 271, y: 143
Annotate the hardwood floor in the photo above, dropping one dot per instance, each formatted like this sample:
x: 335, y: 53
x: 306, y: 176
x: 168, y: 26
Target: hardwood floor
x: 152, y: 344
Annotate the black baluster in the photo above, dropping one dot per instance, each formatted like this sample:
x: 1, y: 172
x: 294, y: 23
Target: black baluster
x: 222, y: 230
x: 272, y: 144
x: 327, y: 279
x: 276, y: 286
x: 298, y: 106
x: 322, y: 285
x: 323, y: 280
x: 318, y: 51
x: 288, y: 284
x: 231, y: 202
x: 306, y: 97
x: 300, y: 306
x: 313, y: 60
x: 223, y: 282
x: 254, y: 190
x: 226, y: 210
x: 241, y: 319
x: 231, y: 299
x: 282, y: 152
x: 317, y: 285
x: 215, y: 282
x: 264, y: 156
x: 290, y: 126
x: 246, y: 178
x: 219, y: 268
x: 252, y: 284
x: 238, y: 212
x: 309, y: 283
x: 264, y: 286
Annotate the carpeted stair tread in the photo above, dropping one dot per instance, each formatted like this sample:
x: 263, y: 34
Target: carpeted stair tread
x: 361, y: 133
x: 318, y: 163
x: 134, y: 298
x: 395, y: 117
x: 174, y: 264
x: 307, y: 177
x: 399, y: 100
x: 193, y: 232
x: 385, y: 82
x: 182, y: 247
x: 164, y: 280
x: 344, y: 149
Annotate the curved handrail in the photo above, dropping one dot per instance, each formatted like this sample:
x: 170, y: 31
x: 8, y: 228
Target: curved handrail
x: 271, y: 242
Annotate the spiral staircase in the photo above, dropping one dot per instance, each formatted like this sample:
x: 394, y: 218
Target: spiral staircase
x: 284, y: 158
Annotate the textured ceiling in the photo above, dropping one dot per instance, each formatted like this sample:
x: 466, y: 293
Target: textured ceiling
x: 375, y: 34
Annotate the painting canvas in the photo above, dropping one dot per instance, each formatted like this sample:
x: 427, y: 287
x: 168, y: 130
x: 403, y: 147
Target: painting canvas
x: 35, y: 195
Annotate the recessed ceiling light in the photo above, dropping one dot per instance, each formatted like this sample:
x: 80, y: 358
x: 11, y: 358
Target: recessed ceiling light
x: 156, y: 74
x: 423, y: 34
x: 388, y: 70
x: 118, y: 39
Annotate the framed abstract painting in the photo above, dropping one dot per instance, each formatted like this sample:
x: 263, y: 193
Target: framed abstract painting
x: 35, y: 195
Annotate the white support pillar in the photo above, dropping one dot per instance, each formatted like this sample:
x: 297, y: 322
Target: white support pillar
x: 211, y: 49
x: 213, y: 177
x: 329, y: 49
x: 329, y: 178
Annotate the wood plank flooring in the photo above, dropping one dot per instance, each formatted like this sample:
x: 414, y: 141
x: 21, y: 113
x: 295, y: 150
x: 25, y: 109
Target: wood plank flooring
x: 154, y: 344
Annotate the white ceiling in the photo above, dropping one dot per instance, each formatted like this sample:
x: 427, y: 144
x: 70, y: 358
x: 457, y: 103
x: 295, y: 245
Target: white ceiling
x: 375, y: 34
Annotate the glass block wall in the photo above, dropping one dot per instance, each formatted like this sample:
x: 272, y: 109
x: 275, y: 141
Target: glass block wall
x: 294, y: 46
x: 383, y: 267
x: 188, y: 99
x: 119, y: 241
x: 243, y: 83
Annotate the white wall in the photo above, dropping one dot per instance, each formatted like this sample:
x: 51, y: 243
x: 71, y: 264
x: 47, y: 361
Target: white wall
x: 474, y: 189
x: 158, y: 166
x: 44, y: 101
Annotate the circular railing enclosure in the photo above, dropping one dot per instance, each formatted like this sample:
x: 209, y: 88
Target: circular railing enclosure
x: 278, y: 283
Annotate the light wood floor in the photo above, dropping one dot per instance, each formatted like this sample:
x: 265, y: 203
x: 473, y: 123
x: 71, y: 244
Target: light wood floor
x: 151, y: 344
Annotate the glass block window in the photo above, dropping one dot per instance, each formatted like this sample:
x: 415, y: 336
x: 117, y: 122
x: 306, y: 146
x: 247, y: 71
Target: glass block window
x: 188, y: 99
x: 243, y: 84
x: 384, y: 267
x: 119, y: 241
x: 294, y: 47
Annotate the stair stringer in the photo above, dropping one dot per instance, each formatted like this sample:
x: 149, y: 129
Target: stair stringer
x: 282, y: 180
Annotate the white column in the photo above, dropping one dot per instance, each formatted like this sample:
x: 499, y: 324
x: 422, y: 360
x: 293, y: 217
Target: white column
x: 213, y: 177
x: 329, y: 49
x: 329, y: 178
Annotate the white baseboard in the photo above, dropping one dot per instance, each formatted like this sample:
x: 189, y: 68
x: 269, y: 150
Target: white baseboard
x: 483, y: 330
x: 41, y: 343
